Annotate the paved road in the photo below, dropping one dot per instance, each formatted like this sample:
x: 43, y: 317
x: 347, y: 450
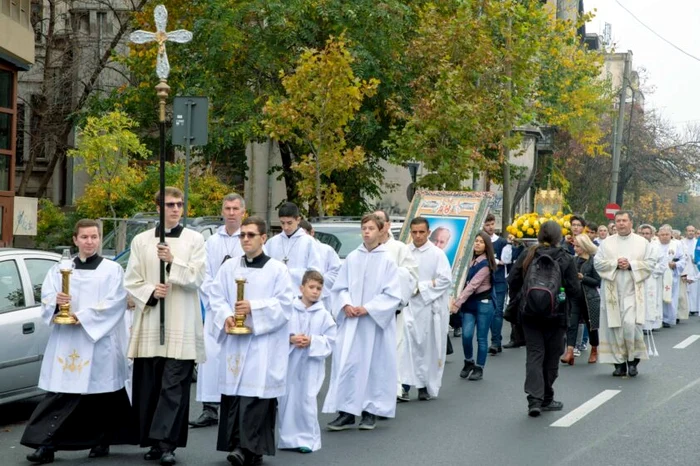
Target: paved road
x: 653, y: 420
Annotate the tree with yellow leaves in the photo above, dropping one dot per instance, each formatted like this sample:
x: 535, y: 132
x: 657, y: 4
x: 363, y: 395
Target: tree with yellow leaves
x: 323, y: 98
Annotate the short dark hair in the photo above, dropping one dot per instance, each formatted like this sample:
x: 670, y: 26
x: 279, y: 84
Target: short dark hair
x: 258, y: 222
x: 372, y: 218
x: 490, y: 218
x: 85, y: 223
x: 592, y: 226
x: 386, y: 216
x: 579, y: 218
x: 169, y: 191
x: 629, y: 214
x: 288, y: 209
x: 306, y: 225
x: 312, y: 275
x: 420, y: 221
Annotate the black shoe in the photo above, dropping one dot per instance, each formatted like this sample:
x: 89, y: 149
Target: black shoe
x: 678, y: 321
x: 209, y: 417
x: 254, y: 460
x: 368, y: 422
x: 534, y: 410
x: 168, y: 458
x: 153, y: 454
x: 632, y: 368
x: 553, y: 406
x: 42, y: 455
x: 477, y: 373
x: 342, y: 422
x: 236, y: 457
x: 493, y: 349
x: 620, y: 370
x: 404, y: 397
x: 423, y: 394
x: 665, y: 325
x: 513, y: 344
x: 99, y: 451
x: 468, y: 367
x: 457, y: 332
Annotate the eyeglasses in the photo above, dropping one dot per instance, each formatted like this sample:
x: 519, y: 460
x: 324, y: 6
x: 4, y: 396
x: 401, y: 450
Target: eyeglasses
x: 245, y: 235
x: 172, y: 205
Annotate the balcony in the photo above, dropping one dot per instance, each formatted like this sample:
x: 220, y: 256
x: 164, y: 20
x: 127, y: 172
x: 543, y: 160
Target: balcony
x: 16, y: 33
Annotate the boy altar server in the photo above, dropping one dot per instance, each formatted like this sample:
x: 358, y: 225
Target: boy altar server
x: 311, y: 336
x: 366, y: 295
x: 294, y: 247
x: 252, y: 367
x: 84, y: 367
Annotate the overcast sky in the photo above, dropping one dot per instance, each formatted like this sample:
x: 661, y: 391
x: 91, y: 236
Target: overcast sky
x: 675, y: 76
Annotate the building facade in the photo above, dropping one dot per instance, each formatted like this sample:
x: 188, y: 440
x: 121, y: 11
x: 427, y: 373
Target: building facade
x: 16, y: 55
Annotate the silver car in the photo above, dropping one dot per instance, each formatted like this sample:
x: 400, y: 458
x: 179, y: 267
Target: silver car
x: 23, y: 335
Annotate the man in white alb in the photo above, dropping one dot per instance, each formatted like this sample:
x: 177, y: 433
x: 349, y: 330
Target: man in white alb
x: 330, y: 261
x: 690, y: 273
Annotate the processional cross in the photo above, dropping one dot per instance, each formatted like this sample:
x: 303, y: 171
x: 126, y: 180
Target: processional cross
x: 160, y: 14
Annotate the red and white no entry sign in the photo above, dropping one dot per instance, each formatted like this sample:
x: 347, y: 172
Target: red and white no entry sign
x: 610, y: 210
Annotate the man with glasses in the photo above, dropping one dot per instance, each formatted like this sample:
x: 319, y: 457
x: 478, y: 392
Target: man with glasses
x: 223, y: 245
x: 163, y: 372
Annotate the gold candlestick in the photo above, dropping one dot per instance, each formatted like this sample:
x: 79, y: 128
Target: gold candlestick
x: 64, y: 316
x: 239, y: 328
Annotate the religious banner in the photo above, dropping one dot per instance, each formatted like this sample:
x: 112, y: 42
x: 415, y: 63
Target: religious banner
x: 455, y: 217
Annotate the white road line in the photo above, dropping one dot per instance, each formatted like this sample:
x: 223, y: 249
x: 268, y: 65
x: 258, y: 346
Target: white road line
x: 687, y: 342
x: 586, y: 408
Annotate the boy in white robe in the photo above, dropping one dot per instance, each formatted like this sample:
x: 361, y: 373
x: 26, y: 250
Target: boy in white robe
x: 84, y: 367
x: 163, y: 372
x: 365, y: 298
x: 252, y: 367
x: 221, y: 246
x: 330, y: 261
x: 293, y: 247
x: 426, y: 317
x: 312, y: 334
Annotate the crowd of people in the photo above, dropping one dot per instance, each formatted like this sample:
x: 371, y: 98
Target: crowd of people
x: 258, y: 317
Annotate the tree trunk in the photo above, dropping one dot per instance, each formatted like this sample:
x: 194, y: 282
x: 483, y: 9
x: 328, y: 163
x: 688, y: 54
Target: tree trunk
x: 290, y: 183
x: 319, y: 199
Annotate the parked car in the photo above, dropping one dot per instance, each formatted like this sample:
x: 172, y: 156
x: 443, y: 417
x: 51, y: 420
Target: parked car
x: 23, y: 334
x: 345, y: 235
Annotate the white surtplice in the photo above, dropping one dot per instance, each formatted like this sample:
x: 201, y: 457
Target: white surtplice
x: 298, y: 409
x: 331, y: 267
x: 426, y: 319
x: 653, y: 289
x: 363, y: 374
x: 89, y: 357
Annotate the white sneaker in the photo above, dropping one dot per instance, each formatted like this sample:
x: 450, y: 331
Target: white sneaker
x: 577, y: 352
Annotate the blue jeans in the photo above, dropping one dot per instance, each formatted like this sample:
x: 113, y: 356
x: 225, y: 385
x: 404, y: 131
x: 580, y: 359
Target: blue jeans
x: 482, y: 321
x: 500, y: 290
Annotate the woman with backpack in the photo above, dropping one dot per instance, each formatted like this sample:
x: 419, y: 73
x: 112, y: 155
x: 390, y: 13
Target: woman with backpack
x: 588, y: 307
x: 476, y: 306
x: 544, y: 281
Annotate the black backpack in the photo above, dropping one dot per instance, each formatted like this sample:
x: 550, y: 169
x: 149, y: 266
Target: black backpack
x: 543, y: 280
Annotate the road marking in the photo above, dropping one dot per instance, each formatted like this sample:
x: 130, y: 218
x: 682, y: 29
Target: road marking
x: 586, y: 408
x: 687, y: 342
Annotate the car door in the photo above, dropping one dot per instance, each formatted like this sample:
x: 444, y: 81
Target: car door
x: 19, y: 319
x: 37, y: 267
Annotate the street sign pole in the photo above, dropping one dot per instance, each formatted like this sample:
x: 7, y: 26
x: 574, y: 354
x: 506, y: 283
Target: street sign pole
x: 188, y: 148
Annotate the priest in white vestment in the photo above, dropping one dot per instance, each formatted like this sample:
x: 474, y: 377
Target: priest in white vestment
x: 165, y: 369
x: 408, y: 278
x: 623, y: 262
x: 674, y: 263
x: 252, y: 367
x: 220, y: 247
x: 293, y: 247
x: 312, y: 333
x: 84, y: 368
x: 426, y: 318
x: 653, y: 286
x: 691, y: 274
x: 366, y: 296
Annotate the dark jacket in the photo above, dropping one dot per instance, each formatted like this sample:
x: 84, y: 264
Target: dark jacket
x: 590, y: 297
x: 500, y: 274
x: 569, y: 277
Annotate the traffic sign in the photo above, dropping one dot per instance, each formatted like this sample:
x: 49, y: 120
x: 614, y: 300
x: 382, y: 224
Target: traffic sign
x: 610, y: 210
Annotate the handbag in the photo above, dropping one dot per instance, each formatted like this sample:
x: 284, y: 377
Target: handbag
x: 511, y: 313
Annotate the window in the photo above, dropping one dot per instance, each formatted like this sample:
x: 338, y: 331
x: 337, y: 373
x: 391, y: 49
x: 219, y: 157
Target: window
x: 19, y: 147
x: 6, y: 95
x: 11, y: 291
x: 38, y: 268
x: 5, y: 130
x: 5, y: 174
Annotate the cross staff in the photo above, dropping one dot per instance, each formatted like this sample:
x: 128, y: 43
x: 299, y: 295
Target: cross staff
x: 160, y: 14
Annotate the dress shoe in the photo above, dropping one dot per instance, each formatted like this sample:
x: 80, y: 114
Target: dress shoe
x: 534, y: 410
x: 342, y: 422
x: 513, y: 344
x: 254, y: 460
x: 99, y: 451
x: 423, y: 394
x: 568, y: 357
x: 168, y: 458
x: 206, y: 419
x: 553, y: 406
x: 620, y: 370
x: 42, y: 455
x: 593, y: 357
x: 236, y: 457
x: 632, y: 368
x: 153, y: 454
x: 468, y: 367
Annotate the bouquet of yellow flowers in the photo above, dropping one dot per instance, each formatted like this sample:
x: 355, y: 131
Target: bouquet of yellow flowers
x: 528, y: 225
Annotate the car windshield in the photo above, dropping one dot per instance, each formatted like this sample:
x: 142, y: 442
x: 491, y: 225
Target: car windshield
x: 350, y: 237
